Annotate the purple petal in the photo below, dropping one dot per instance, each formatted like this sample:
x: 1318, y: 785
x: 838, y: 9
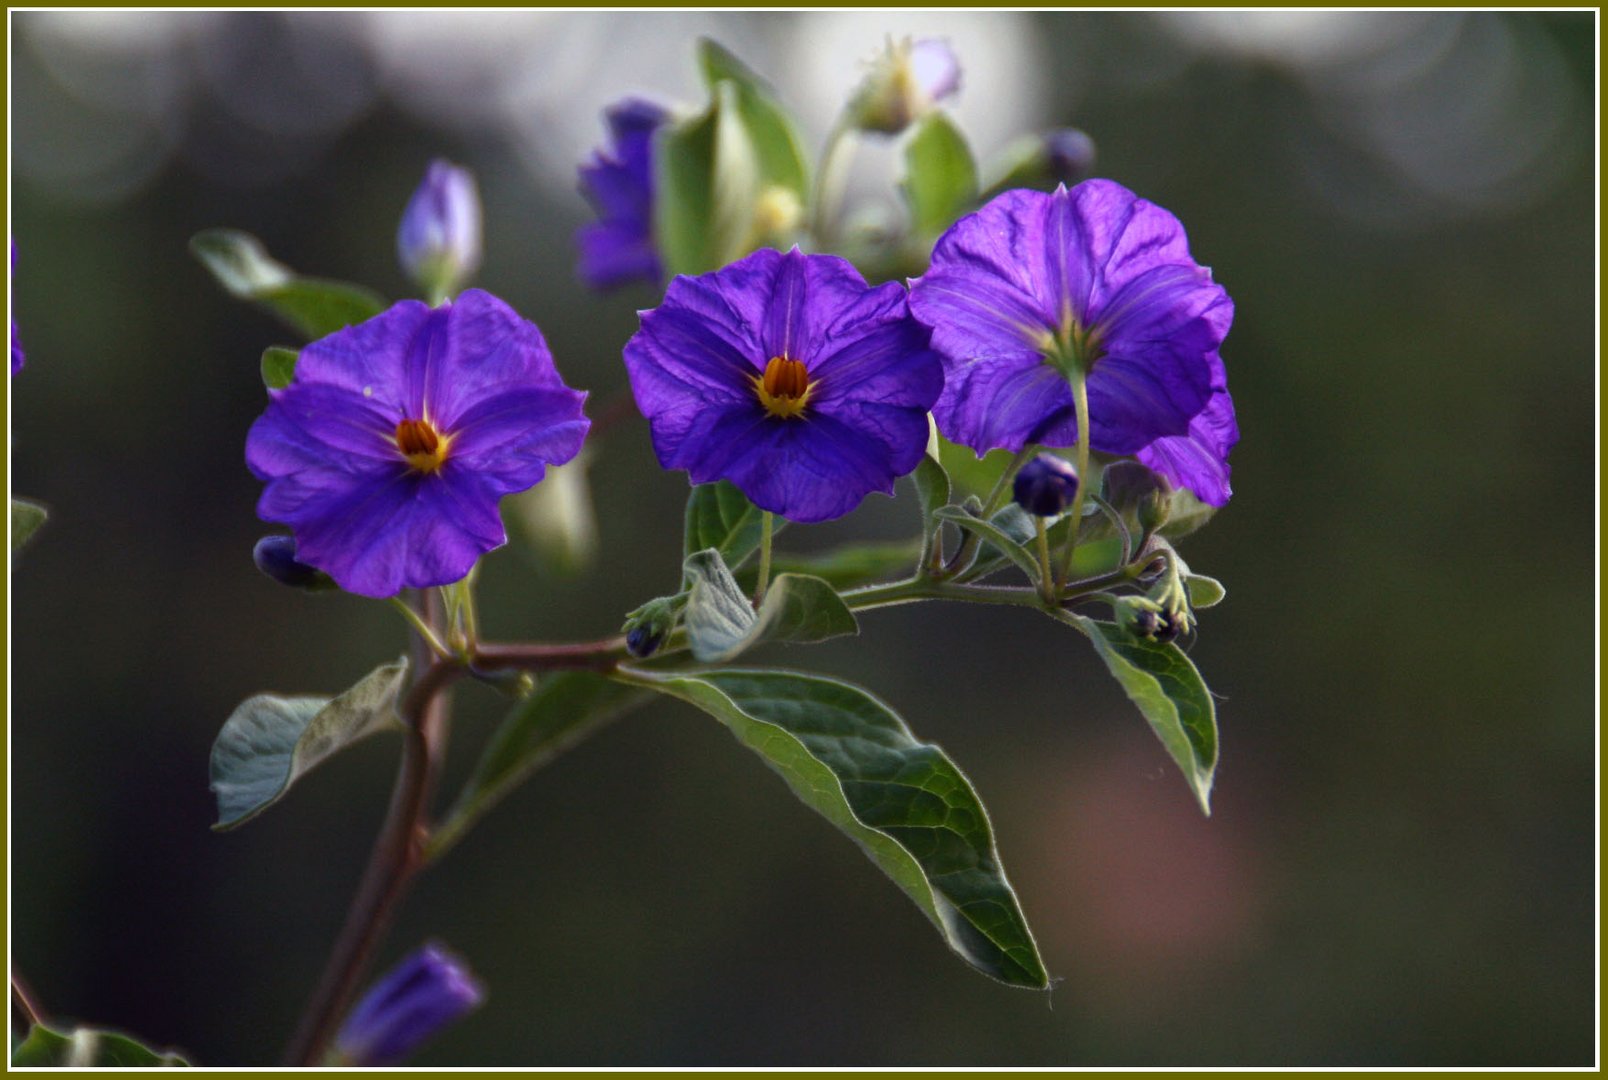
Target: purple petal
x: 1198, y: 460
x: 1006, y: 404
x: 817, y: 469
x: 511, y: 438
x: 368, y: 360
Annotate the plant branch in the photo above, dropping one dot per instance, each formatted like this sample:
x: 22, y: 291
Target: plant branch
x: 23, y: 1002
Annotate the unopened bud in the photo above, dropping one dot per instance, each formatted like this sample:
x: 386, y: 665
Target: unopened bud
x: 275, y: 556
x: 439, y: 238
x: 425, y: 993
x: 1068, y: 156
x: 647, y: 627
x: 1046, y: 485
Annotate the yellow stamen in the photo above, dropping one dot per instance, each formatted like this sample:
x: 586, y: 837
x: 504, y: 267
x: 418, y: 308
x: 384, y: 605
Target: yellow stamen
x: 785, y: 387
x: 418, y: 442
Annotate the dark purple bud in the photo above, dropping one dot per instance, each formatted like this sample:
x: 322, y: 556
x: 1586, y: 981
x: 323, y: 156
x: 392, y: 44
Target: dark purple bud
x: 1046, y: 485
x: 1069, y: 155
x: 439, y: 238
x: 276, y: 557
x: 647, y: 626
x: 425, y: 993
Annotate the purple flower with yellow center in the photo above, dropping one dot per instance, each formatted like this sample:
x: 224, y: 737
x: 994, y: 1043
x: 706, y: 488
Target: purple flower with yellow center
x: 425, y: 993
x: 790, y: 377
x: 1036, y: 291
x: 619, y: 247
x: 389, y: 450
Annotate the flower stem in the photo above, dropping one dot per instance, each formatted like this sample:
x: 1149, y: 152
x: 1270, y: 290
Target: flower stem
x: 1080, y: 402
x: 1046, y: 581
x: 970, y: 542
x: 396, y: 857
x: 765, y: 529
x: 23, y: 1003
x: 425, y: 631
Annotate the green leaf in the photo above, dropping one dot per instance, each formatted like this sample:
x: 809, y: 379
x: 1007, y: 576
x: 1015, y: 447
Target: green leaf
x: 1160, y: 679
x: 1204, y: 592
x: 772, y: 132
x: 278, y: 366
x: 932, y: 489
x: 269, y: 742
x: 1187, y: 514
x: 565, y: 708
x: 940, y: 181
x: 314, y: 306
x: 26, y: 517
x: 849, y: 757
x: 721, y: 517
x: 848, y: 567
x: 721, y: 624
x: 86, y: 1047
x: 998, y: 536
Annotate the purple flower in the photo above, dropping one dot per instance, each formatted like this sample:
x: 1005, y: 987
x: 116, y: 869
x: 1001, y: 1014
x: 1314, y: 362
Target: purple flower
x: 1034, y: 288
x: 439, y: 238
x: 619, y: 248
x: 904, y: 84
x: 423, y: 994
x: 788, y: 376
x: 16, y: 345
x: 389, y: 450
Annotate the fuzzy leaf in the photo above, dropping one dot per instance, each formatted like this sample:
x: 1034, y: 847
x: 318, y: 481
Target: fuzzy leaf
x: 84, y: 1047
x: 721, y: 624
x: 26, y: 517
x: 940, y: 181
x: 270, y: 742
x: 1160, y: 679
x: 565, y: 708
x: 314, y: 306
x: 773, y: 134
x: 721, y: 517
x: 851, y: 758
x: 278, y: 366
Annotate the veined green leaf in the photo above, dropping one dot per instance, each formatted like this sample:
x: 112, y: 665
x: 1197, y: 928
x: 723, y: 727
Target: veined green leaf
x: 771, y: 131
x: 1162, y: 681
x: 26, y: 517
x: 851, y: 758
x: 996, y: 535
x: 83, y: 1048
x: 1204, y: 592
x: 270, y: 742
x: 566, y: 707
x: 721, y: 624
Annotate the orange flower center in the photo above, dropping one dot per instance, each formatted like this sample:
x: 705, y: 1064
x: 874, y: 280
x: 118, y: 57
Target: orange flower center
x: 784, y: 388
x: 419, y: 443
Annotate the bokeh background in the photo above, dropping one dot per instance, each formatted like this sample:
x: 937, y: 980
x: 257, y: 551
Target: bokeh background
x: 1400, y: 867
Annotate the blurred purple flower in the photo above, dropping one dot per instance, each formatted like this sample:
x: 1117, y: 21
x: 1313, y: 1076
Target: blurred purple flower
x: 388, y: 452
x: 439, y: 238
x: 619, y: 247
x: 1034, y: 286
x: 425, y: 993
x: 788, y: 376
x: 16, y: 345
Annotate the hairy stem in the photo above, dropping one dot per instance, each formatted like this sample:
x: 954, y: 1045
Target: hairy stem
x: 1080, y: 403
x: 23, y: 1003
x: 766, y: 527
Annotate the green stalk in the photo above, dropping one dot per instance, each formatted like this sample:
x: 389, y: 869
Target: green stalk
x: 1080, y: 402
x: 765, y: 529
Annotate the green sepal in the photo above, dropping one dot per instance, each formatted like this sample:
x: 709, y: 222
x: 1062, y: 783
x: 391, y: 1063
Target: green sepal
x: 721, y: 517
x: 721, y: 624
x: 26, y: 517
x: 708, y: 184
x: 1163, y: 682
x: 270, y: 742
x: 278, y: 366
x: 940, y: 180
x: 314, y: 306
x: 1187, y: 514
x: 565, y: 708
x: 86, y: 1048
x: 852, y: 759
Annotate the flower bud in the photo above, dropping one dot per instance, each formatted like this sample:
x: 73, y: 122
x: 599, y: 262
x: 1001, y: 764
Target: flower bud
x: 905, y: 82
x: 420, y: 996
x: 276, y: 557
x: 1069, y: 156
x: 1144, y: 618
x: 1046, y: 485
x: 439, y: 238
x: 648, y: 626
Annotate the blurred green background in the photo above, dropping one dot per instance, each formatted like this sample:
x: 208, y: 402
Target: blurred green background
x: 1400, y: 866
